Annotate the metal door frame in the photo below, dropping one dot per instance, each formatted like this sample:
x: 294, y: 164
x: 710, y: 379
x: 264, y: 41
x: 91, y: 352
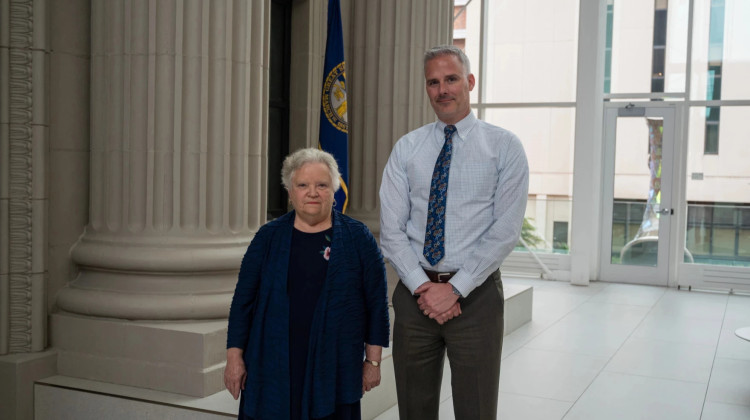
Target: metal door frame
x: 660, y: 274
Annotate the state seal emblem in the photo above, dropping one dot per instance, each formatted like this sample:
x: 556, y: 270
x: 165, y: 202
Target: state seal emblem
x: 334, y: 98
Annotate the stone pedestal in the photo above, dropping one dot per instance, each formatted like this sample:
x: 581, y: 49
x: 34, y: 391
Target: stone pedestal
x: 18, y: 372
x: 179, y: 357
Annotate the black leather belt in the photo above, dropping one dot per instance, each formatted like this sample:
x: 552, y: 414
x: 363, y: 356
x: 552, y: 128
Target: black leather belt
x: 439, y: 277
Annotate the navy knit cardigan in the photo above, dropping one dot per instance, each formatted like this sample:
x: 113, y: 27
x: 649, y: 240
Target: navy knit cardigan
x: 352, y: 310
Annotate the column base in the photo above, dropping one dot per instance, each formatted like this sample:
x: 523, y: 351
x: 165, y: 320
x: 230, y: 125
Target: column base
x: 185, y: 357
x: 146, y: 306
x: 153, y: 278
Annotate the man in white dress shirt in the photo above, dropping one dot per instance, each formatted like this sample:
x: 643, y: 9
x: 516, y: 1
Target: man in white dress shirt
x: 448, y: 255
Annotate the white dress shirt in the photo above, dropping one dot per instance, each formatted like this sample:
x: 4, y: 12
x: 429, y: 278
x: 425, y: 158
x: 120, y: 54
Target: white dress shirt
x: 487, y: 192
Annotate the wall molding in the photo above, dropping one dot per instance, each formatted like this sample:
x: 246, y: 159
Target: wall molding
x: 22, y: 303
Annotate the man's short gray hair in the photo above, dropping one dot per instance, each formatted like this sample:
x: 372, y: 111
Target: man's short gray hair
x: 453, y: 50
x: 302, y: 157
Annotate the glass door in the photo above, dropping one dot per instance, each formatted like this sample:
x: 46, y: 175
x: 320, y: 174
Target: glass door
x: 637, y: 192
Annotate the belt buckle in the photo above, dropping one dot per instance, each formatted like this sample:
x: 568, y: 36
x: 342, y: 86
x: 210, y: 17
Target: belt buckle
x: 441, y: 275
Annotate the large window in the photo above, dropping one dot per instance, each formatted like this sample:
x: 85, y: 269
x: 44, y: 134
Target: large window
x: 717, y: 170
x: 692, y: 53
x: 524, y: 59
x: 718, y: 229
x: 645, y: 37
x: 721, y: 41
x: 646, y: 47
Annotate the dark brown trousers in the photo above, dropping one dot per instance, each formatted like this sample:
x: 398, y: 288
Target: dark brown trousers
x: 473, y: 341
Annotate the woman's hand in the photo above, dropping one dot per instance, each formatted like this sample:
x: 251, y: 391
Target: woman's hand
x: 234, y: 372
x: 370, y: 377
x: 371, y: 373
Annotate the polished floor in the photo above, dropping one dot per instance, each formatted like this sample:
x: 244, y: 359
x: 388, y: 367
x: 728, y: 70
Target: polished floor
x: 616, y: 351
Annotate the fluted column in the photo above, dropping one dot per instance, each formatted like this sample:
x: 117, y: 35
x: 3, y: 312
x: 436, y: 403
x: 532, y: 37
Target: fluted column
x: 23, y: 190
x: 178, y: 157
x: 386, y: 86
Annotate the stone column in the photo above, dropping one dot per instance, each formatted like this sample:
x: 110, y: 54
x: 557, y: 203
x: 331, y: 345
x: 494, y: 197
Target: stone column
x: 386, y: 86
x: 178, y: 174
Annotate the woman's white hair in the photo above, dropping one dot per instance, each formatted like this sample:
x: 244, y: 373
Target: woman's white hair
x: 310, y: 155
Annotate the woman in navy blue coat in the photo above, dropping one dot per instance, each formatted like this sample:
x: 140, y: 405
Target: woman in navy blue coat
x: 309, y: 317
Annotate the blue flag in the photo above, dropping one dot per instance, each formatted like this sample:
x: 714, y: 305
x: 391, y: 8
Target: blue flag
x: 334, y: 127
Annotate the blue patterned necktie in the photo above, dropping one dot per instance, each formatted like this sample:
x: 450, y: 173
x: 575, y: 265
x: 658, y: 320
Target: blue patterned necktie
x: 434, y: 238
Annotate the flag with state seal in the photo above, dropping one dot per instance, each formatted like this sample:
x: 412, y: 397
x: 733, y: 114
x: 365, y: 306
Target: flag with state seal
x: 334, y: 128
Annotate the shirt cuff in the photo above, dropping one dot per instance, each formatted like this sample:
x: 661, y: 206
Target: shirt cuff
x: 415, y: 279
x: 463, y: 283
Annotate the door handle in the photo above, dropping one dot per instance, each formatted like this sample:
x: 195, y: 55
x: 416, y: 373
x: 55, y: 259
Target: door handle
x: 666, y: 212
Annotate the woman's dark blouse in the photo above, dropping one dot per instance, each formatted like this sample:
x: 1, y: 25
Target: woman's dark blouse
x: 308, y: 263
x: 351, y: 311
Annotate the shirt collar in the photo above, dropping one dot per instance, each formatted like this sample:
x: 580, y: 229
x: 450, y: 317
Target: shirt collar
x: 463, y: 127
